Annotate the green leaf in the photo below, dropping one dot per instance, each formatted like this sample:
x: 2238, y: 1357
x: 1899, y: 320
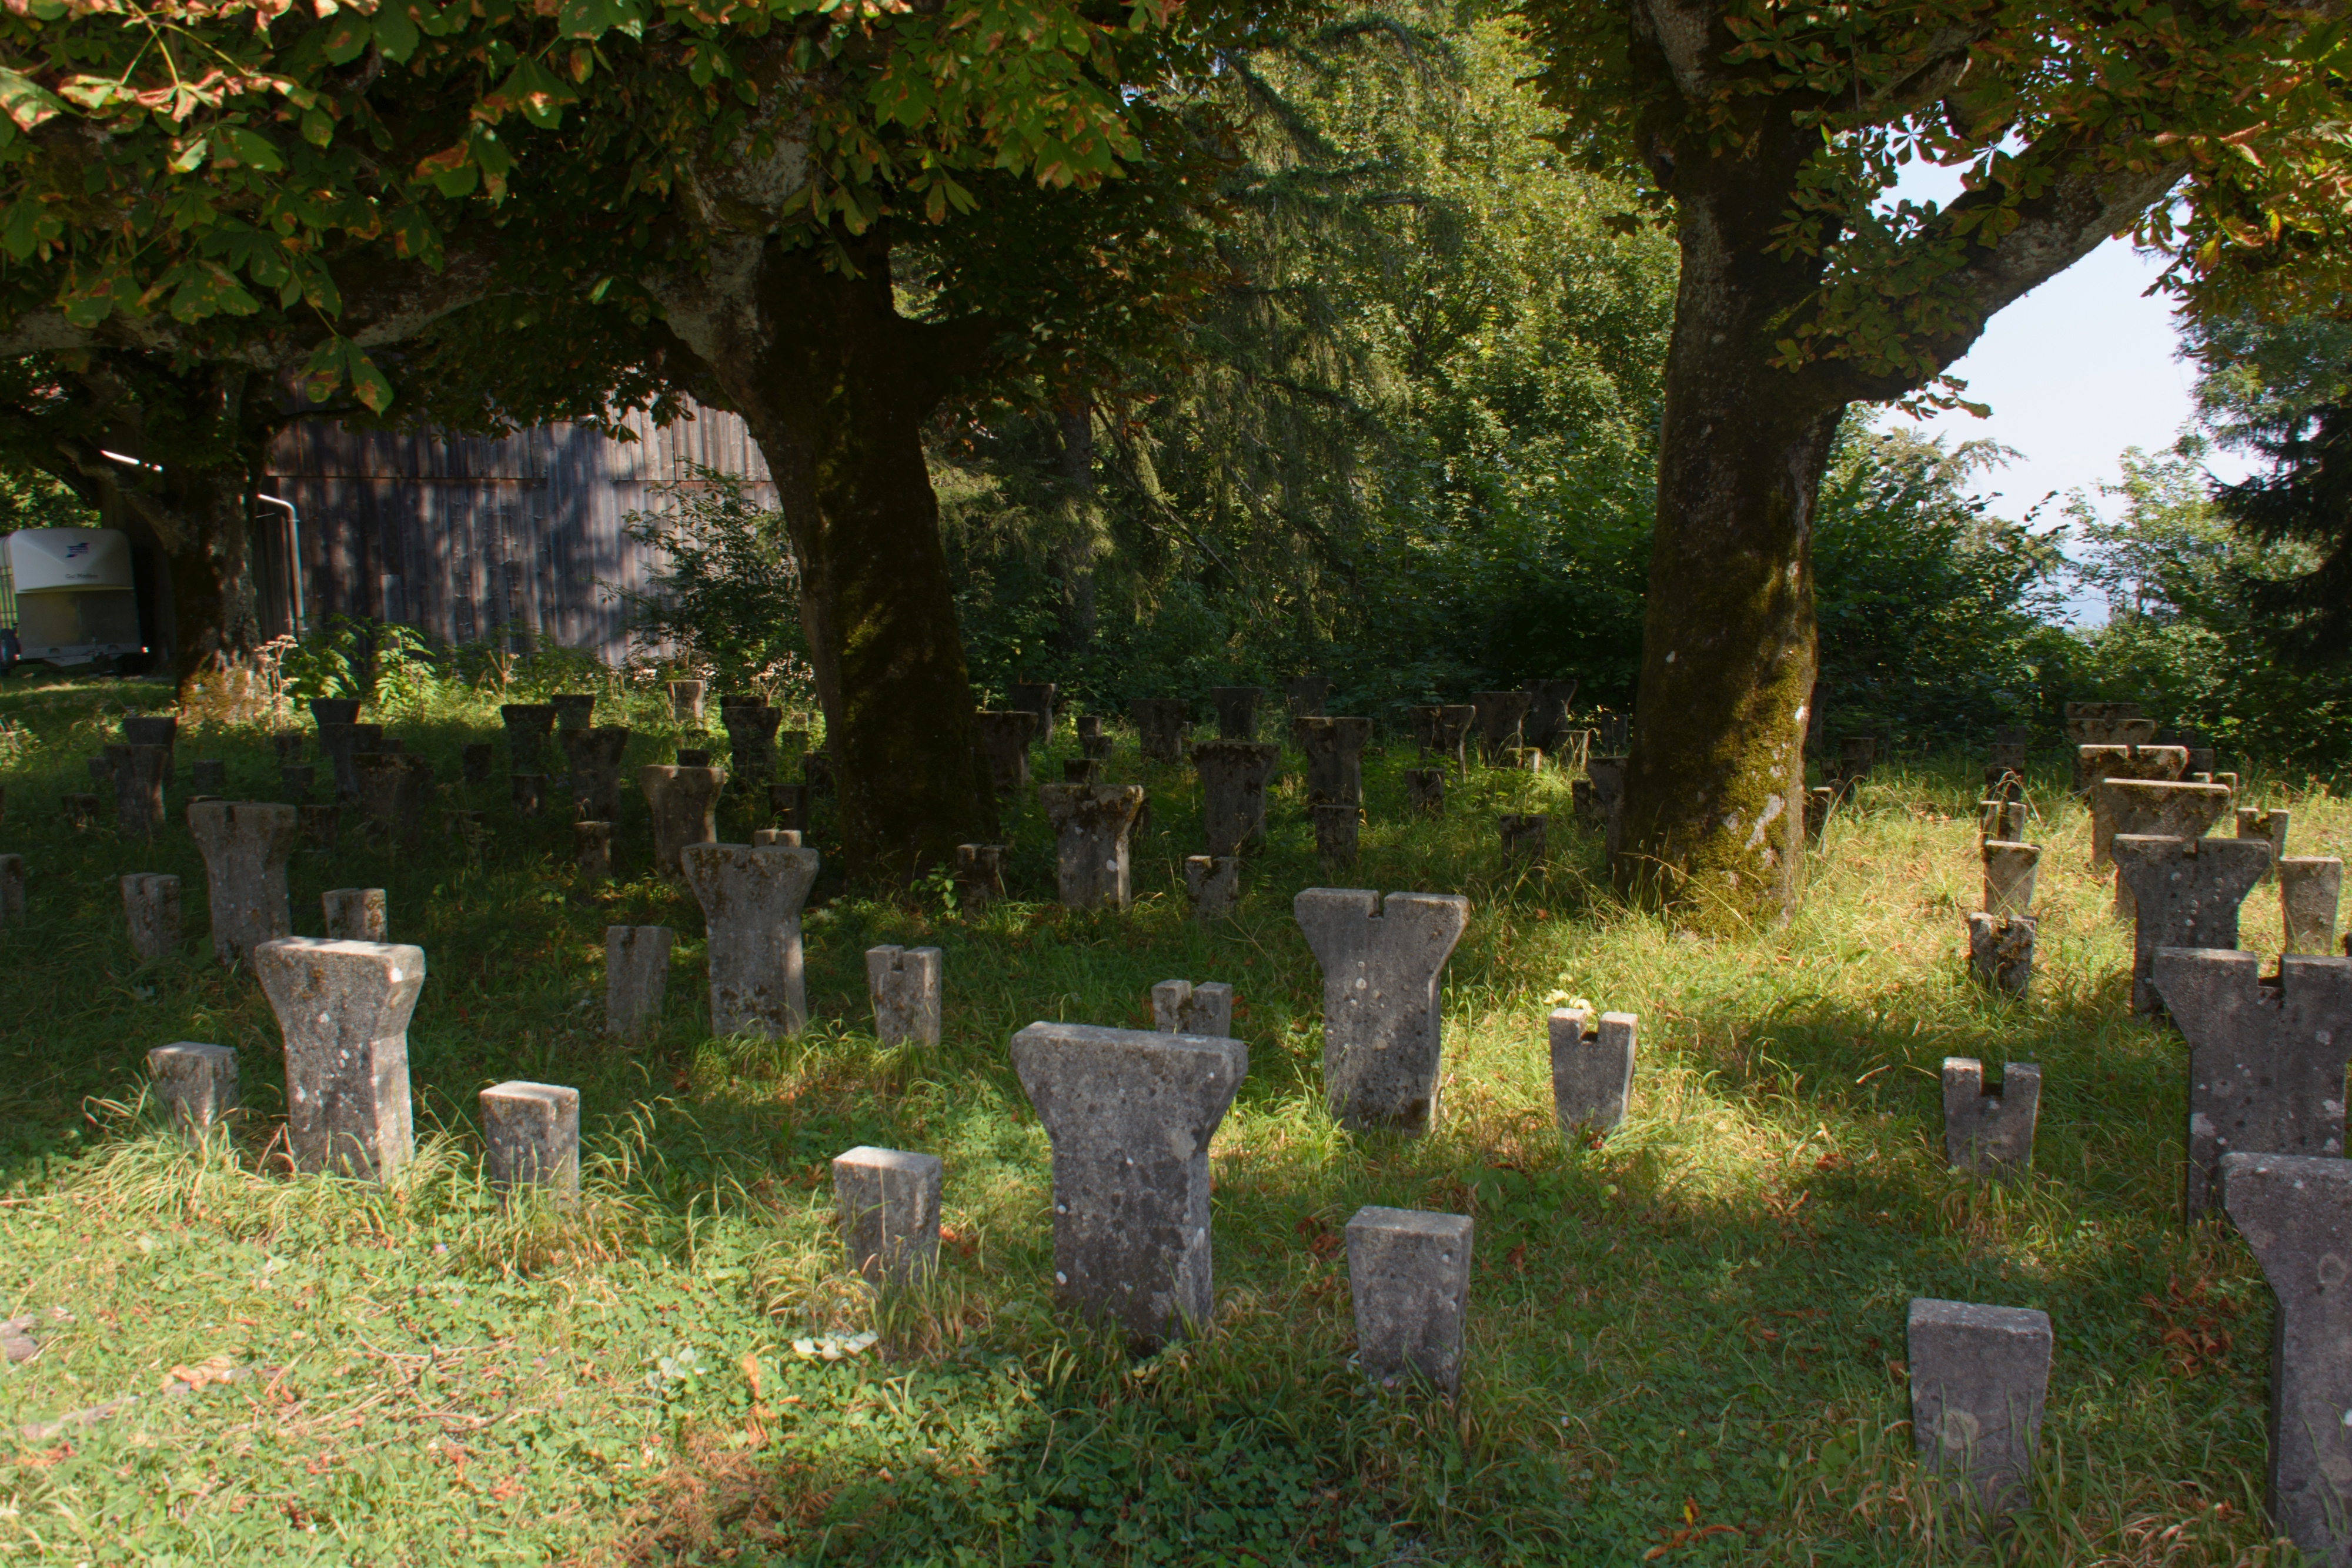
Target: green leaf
x: 370, y: 384
x: 318, y: 127
x: 27, y: 102
x: 252, y: 149
x: 189, y: 159
x: 347, y: 37
x: 395, y: 31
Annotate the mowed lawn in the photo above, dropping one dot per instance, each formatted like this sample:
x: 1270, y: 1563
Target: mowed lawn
x: 1686, y: 1339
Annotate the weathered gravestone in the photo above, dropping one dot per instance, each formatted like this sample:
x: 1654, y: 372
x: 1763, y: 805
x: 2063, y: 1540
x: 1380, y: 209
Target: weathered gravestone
x: 1093, y: 743
x: 751, y: 729
x: 138, y: 790
x: 637, y: 973
x: 1857, y: 755
x: 1599, y: 796
x: 1334, y: 759
x: 1233, y: 777
x: 1449, y: 738
x: 1420, y: 723
x: 1591, y: 1068
x: 1160, y: 726
x: 245, y: 844
x: 1616, y: 733
x: 889, y: 1204
x: 1036, y: 697
x: 1523, y: 836
x: 2001, y: 951
x: 2266, y: 1058
x: 1090, y: 824
x: 1424, y: 791
x: 343, y: 1009
x: 685, y: 804
x: 1213, y: 883
x: 2151, y: 806
x: 686, y: 701
x: 767, y: 836
x: 1382, y: 1024
x: 530, y: 1137
x: 2296, y: 1213
x: 1545, y: 725
x: 1236, y: 711
x: 751, y: 896
x: 693, y: 757
x: 2003, y: 820
x: 1979, y: 1377
x: 1080, y: 770
x: 2186, y: 894
x: 788, y: 806
x: 1306, y: 695
x: 1989, y: 1129
x: 474, y: 761
x: 2310, y: 888
x: 1130, y: 1114
x: 195, y: 1085
x: 11, y: 888
x: 2009, y: 875
x: 978, y: 873
x: 593, y: 757
x: 528, y: 727
x: 1409, y: 1274
x: 342, y: 744
x: 1004, y: 743
x: 591, y: 851
x: 355, y: 914
x: 150, y: 906
x: 160, y: 730
x: 2094, y: 765
x: 1335, y: 836
x: 392, y: 789
x: 527, y: 792
x: 903, y: 984
x: 1497, y: 715
x: 1179, y: 1007
x: 2268, y: 826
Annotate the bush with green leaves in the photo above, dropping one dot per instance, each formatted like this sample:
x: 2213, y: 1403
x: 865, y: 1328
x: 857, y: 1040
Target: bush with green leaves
x: 726, y: 604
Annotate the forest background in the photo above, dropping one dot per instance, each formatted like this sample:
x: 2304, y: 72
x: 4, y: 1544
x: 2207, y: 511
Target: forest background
x: 1411, y: 445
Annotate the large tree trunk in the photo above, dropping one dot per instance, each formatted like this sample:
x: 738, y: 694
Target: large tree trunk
x: 216, y: 599
x: 835, y: 386
x: 1714, y: 807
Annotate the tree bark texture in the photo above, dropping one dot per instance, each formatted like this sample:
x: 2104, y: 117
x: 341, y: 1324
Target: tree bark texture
x: 834, y: 385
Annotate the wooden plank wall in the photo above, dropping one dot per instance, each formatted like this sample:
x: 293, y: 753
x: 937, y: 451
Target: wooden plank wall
x: 470, y: 538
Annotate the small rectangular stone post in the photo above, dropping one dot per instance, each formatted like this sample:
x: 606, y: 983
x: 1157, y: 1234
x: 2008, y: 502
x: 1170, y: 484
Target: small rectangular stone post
x: 2009, y: 872
x: 1080, y: 770
x: 1091, y: 824
x: 591, y: 851
x: 1452, y: 736
x: 904, y: 984
x: 2268, y: 826
x: 890, y: 1203
x: 1306, y: 695
x: 637, y: 972
x: 2296, y: 1213
x: 138, y: 790
x: 751, y: 896
x: 355, y: 914
x: 1236, y: 711
x: 1424, y: 791
x: 343, y: 1008
x: 11, y: 888
x: 530, y: 1137
x: 1498, y: 716
x: 151, y: 905
x: 1160, y: 726
x: 1334, y: 759
x: 1130, y: 1114
x: 751, y: 729
x: 1335, y: 836
x: 593, y: 757
x: 2186, y: 893
x: 2150, y: 807
x: 1005, y: 744
x: 686, y: 702
x: 1523, y: 837
x: 1988, y: 1132
x: 2310, y: 888
x: 1038, y: 698
x: 1545, y: 725
x: 2001, y: 820
x: 156, y: 729
x: 1093, y: 743
x: 1214, y: 884
x: 685, y: 802
x: 195, y: 1083
x: 978, y: 873
x: 1592, y: 1069
x: 1179, y: 1007
x: 1979, y: 1377
x: 1233, y: 777
x: 2001, y: 951
x: 245, y: 845
x: 1382, y: 1027
x: 529, y: 725
x: 2265, y: 1059
x: 393, y: 789
x: 1409, y: 1273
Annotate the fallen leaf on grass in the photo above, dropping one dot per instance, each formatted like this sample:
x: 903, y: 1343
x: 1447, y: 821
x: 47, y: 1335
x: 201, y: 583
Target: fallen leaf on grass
x: 212, y: 1369
x: 831, y: 1347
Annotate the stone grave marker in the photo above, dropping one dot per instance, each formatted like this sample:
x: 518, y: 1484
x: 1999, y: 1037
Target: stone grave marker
x: 151, y: 907
x: 1160, y: 726
x: 528, y: 727
x: 1979, y: 1377
x: 195, y: 1085
x: 1093, y: 743
x: 1382, y: 1028
x: 889, y: 1204
x: 1080, y: 770
x: 751, y: 896
x: 1236, y: 711
x: 355, y: 914
x: 637, y: 973
x: 156, y: 729
x: 1421, y: 722
x: 1599, y: 796
x: 1233, y: 777
x: 1038, y: 698
x: 978, y: 873
x: 2266, y: 1058
x: 530, y: 1137
x: 1498, y: 716
x: 1130, y: 1114
x: 245, y: 844
x: 138, y: 790
x: 592, y: 758
x: 1306, y: 695
x: 751, y: 729
x: 1989, y: 1130
x: 1179, y: 1007
x: 2008, y: 873
x: 1004, y: 743
x: 392, y: 790
x: 2310, y: 888
x: 1523, y: 836
x: 2186, y: 893
x: 343, y: 1009
x: 693, y: 757
x: 1451, y: 738
x: 1409, y: 1273
x: 1334, y: 759
x: 2003, y: 820
x: 1213, y: 883
x: 904, y: 984
x: 1591, y: 1068
x: 591, y: 851
x: 2001, y: 951
x: 1545, y: 725
x: 686, y: 702
x: 2154, y: 810
x: 1424, y: 791
x: 2296, y: 1213
x: 1091, y: 824
x: 1335, y: 832
x: 788, y: 804
x: 685, y: 804
x: 2268, y: 826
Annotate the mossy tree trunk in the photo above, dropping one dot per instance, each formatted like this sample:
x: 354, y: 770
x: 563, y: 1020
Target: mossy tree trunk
x: 835, y: 385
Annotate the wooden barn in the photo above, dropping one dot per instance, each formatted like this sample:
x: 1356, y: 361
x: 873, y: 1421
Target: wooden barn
x: 471, y: 538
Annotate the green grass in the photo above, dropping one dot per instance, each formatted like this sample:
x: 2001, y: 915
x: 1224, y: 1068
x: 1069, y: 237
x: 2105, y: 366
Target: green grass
x: 1686, y: 1341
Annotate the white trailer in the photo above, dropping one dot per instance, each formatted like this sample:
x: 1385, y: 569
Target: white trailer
x: 73, y: 597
